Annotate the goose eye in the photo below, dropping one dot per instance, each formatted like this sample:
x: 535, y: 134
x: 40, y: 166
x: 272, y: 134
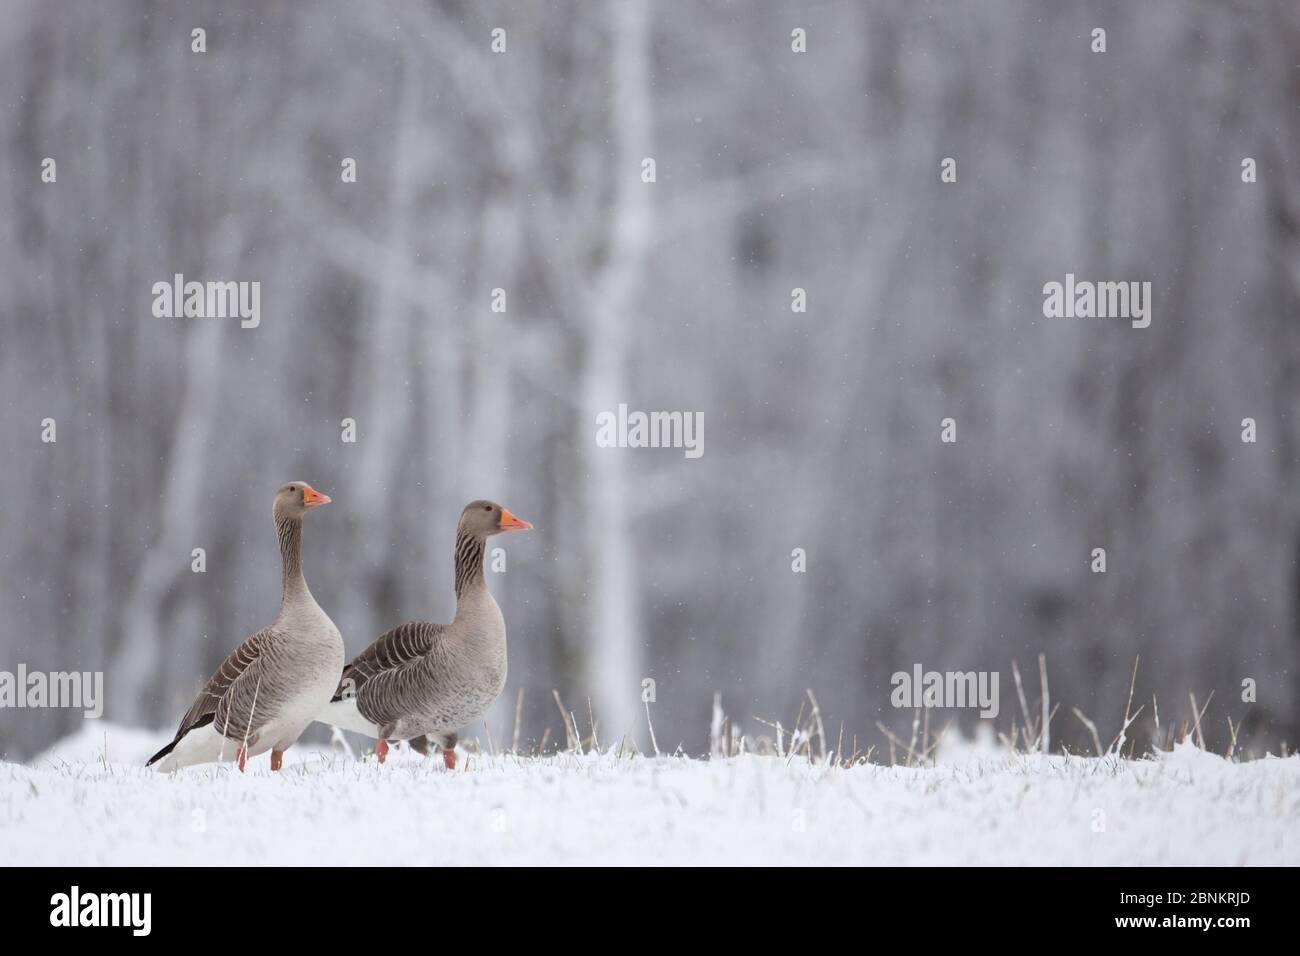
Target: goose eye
x: 487, y: 507
x: 292, y: 488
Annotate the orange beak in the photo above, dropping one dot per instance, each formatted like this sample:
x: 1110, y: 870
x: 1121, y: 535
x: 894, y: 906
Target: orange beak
x: 311, y: 498
x: 510, y: 523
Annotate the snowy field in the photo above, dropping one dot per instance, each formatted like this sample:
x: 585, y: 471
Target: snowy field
x: 73, y: 806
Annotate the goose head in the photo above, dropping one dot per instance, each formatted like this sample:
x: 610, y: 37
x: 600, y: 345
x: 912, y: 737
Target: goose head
x: 296, y: 498
x: 485, y: 518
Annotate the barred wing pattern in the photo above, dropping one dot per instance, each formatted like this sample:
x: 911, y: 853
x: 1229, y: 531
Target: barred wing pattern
x: 389, y: 671
x: 230, y: 697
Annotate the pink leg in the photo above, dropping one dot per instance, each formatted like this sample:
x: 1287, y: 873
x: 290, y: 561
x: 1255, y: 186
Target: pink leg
x: 277, y: 758
x: 241, y: 755
x: 381, y: 749
x: 449, y: 759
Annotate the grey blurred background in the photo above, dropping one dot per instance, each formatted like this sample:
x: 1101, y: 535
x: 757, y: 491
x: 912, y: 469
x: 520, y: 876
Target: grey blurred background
x: 775, y: 170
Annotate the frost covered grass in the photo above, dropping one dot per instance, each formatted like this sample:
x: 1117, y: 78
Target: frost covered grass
x: 77, y: 805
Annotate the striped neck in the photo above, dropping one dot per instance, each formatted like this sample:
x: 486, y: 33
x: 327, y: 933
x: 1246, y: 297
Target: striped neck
x: 469, y: 563
x: 289, y: 531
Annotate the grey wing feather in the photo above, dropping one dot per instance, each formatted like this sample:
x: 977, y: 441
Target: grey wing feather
x: 389, y: 671
x: 228, y: 698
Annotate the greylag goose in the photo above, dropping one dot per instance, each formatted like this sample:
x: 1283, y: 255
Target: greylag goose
x: 431, y: 679
x: 267, y: 692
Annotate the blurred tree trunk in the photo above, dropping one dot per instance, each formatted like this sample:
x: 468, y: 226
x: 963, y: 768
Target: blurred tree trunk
x: 613, y: 641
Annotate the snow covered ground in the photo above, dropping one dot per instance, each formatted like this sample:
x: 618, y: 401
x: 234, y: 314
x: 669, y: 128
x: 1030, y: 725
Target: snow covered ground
x: 73, y: 806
